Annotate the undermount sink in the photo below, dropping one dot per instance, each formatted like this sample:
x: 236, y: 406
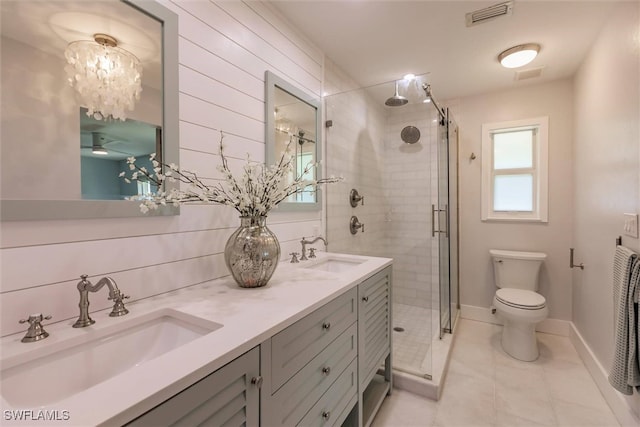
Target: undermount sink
x: 335, y: 265
x: 84, y: 361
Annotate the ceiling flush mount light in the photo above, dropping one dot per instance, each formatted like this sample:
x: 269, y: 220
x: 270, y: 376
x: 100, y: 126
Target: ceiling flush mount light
x: 518, y: 56
x: 108, y: 79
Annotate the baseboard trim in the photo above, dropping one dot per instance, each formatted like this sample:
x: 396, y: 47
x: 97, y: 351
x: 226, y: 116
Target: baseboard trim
x: 483, y: 314
x: 617, y: 402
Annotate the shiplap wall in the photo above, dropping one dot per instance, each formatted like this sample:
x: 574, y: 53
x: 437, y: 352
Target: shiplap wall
x: 224, y: 50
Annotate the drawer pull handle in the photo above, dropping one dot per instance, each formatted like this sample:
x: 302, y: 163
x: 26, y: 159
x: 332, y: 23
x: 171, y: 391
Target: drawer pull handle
x: 365, y: 299
x: 326, y: 370
x: 326, y: 326
x: 257, y: 381
x: 326, y: 415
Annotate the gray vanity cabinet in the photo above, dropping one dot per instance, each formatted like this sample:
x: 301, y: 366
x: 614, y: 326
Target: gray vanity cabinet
x: 310, y: 368
x: 228, y: 397
x: 374, y: 343
x: 323, y: 370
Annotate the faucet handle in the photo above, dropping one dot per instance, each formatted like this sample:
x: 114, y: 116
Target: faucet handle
x: 35, y: 332
x: 118, y: 307
x: 312, y: 252
x: 118, y: 296
x: 294, y: 257
x: 33, y: 318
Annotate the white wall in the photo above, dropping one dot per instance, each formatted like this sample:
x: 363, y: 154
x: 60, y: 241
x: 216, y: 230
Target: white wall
x: 477, y: 287
x: 39, y: 157
x: 606, y: 173
x: 224, y: 50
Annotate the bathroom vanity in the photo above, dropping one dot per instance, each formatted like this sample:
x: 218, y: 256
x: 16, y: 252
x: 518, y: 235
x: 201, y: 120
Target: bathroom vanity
x: 313, y: 372
x: 311, y: 348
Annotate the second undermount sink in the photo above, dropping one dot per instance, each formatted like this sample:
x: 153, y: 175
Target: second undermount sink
x: 84, y: 361
x: 335, y: 265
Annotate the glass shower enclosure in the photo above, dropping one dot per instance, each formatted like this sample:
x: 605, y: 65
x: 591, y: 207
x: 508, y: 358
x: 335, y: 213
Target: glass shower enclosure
x: 409, y: 205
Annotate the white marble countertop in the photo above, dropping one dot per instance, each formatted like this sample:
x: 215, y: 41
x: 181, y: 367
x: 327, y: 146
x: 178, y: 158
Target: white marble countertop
x: 248, y: 316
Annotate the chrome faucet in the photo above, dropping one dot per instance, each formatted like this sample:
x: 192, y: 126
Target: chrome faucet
x: 306, y: 242
x: 85, y: 286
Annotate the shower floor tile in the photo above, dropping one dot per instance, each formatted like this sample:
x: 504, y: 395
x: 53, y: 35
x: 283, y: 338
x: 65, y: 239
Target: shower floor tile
x: 411, y: 346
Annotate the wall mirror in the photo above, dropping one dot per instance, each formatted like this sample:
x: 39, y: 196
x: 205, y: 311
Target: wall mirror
x: 293, y: 116
x: 63, y: 146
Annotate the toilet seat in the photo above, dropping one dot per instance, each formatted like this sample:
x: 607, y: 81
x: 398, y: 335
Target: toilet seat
x: 520, y: 298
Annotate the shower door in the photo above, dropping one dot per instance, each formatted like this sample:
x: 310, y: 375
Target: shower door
x: 447, y: 222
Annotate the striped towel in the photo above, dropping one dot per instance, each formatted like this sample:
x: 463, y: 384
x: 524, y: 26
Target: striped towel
x: 620, y: 374
x: 634, y: 328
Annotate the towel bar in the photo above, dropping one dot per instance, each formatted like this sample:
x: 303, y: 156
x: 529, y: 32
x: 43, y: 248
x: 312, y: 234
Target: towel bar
x: 571, y: 264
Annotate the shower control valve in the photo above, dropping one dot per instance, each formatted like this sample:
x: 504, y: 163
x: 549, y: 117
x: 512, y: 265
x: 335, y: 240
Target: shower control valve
x: 355, y: 197
x: 355, y: 225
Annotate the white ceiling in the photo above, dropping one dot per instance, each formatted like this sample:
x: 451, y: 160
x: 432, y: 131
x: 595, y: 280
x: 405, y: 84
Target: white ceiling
x: 380, y: 41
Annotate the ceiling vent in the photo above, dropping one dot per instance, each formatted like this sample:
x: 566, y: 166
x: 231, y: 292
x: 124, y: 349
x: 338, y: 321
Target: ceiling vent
x: 529, y: 74
x: 489, y: 13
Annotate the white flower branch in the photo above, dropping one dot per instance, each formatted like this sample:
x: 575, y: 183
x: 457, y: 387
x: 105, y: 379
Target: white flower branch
x: 256, y: 193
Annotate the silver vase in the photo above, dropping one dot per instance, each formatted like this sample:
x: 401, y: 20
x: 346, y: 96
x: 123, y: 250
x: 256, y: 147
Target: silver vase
x: 252, y: 252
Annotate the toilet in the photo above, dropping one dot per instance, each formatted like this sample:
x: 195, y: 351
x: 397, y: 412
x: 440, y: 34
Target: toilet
x: 516, y: 301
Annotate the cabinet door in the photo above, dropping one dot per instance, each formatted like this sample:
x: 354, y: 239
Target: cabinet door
x: 226, y: 397
x: 374, y: 324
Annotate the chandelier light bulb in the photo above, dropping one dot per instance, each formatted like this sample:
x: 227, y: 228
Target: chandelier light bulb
x: 107, y: 78
x: 519, y: 56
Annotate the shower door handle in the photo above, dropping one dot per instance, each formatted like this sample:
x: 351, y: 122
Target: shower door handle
x: 433, y: 216
x: 433, y: 220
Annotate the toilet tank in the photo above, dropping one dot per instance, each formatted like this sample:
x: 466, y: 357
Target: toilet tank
x: 515, y: 269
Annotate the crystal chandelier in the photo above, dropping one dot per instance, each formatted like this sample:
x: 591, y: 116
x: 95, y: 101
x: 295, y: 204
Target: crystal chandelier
x: 107, y: 78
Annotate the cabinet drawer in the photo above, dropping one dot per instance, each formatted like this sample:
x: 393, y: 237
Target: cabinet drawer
x: 334, y: 406
x: 300, y: 393
x: 374, y: 320
x: 295, y: 346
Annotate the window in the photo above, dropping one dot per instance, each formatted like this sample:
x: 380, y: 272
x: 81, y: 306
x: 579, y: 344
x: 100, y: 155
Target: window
x: 514, y: 170
x: 144, y: 188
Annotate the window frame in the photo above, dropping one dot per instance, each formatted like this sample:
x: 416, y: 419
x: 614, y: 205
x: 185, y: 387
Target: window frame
x: 539, y: 170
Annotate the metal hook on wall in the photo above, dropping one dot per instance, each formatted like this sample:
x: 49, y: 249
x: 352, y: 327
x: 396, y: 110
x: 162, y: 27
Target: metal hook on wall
x: 472, y: 156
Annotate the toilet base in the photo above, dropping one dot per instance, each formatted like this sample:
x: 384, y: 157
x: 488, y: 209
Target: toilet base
x: 519, y: 340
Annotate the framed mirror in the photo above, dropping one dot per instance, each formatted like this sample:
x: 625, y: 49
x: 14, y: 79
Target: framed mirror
x: 293, y: 116
x: 65, y: 139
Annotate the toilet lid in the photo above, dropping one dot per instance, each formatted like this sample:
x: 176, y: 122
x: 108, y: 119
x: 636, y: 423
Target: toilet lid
x: 520, y: 298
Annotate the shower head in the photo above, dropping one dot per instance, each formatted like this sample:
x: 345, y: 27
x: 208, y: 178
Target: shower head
x: 396, y: 100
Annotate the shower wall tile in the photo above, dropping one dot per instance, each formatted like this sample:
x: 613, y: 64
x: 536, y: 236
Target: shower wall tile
x: 354, y: 149
x: 364, y: 146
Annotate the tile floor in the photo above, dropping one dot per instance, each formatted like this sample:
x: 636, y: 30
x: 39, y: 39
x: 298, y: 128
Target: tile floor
x: 485, y: 387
